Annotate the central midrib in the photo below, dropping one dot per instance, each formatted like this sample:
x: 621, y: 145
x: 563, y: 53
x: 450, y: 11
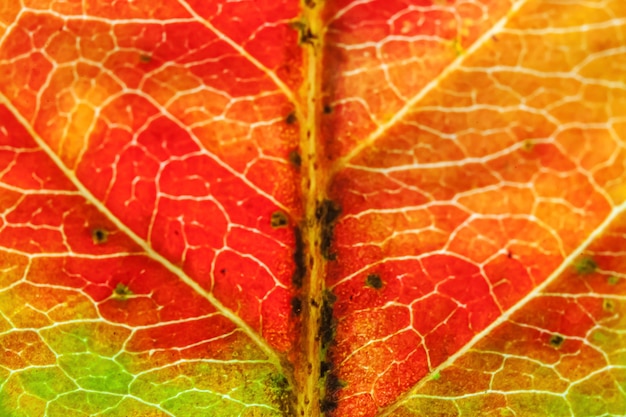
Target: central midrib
x: 313, y: 188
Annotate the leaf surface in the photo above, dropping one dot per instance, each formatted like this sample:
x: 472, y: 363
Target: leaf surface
x: 346, y: 208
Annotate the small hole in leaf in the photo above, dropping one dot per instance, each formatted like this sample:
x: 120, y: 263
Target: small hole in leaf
x: 291, y: 118
x: 294, y: 158
x: 99, y: 236
x: 279, y: 219
x: 608, y: 305
x: 121, y: 291
x: 374, y: 281
x: 556, y: 340
x: 585, y: 266
x: 296, y: 306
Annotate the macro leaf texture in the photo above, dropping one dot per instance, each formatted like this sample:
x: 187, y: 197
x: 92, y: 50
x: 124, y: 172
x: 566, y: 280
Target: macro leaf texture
x: 343, y: 208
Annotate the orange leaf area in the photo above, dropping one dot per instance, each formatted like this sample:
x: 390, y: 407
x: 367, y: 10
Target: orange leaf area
x: 470, y: 201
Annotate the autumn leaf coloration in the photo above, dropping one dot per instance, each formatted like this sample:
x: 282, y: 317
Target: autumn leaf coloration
x: 341, y: 208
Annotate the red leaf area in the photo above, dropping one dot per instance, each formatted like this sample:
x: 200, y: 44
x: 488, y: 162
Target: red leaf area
x: 192, y: 172
x: 49, y: 220
x: 476, y: 150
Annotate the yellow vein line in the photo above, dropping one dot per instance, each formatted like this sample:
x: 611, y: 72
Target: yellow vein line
x: 314, y: 186
x: 251, y: 333
x: 428, y: 88
x: 279, y: 83
x: 567, y: 262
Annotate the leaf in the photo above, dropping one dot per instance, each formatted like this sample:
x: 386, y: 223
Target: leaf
x: 344, y: 208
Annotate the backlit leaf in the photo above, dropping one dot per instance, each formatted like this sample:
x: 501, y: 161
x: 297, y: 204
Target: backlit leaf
x: 350, y: 208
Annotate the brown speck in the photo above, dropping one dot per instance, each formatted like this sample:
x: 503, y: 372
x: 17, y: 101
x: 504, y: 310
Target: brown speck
x: 291, y: 118
x: 556, y: 340
x: 279, y: 219
x: 99, y: 236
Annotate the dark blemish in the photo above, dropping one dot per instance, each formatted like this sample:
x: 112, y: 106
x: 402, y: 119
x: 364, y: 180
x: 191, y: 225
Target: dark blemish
x: 327, y: 404
x: 327, y: 109
x: 374, y: 281
x: 297, y: 25
x: 325, y: 367
x: 279, y: 219
x: 495, y: 38
x: 296, y: 306
x: 294, y: 158
x: 278, y: 388
x: 279, y: 381
x: 528, y: 145
x: 327, y: 321
x: 509, y: 254
x: 556, y: 340
x: 291, y: 118
x: 309, y: 368
x: 326, y: 333
x: 223, y: 271
x: 145, y: 58
x: 121, y: 291
x: 333, y: 384
x: 314, y: 303
x: 326, y: 214
x: 99, y: 236
x: 306, y: 36
x: 607, y: 305
x: 298, y: 259
x: 585, y: 266
x: 309, y: 3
